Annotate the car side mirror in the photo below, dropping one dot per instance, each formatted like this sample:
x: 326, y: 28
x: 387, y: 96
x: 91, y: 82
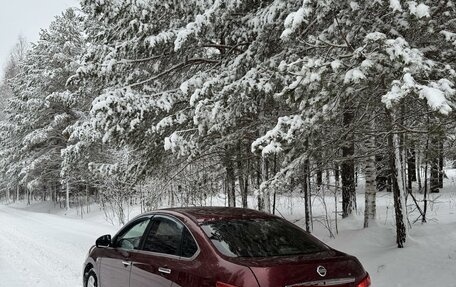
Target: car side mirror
x: 103, y: 241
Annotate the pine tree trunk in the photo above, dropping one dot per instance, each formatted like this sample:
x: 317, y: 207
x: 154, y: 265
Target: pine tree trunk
x: 434, y: 180
x: 305, y: 189
x: 348, y: 167
x: 381, y: 179
x: 411, y: 167
x: 87, y: 196
x: 274, y: 196
x: 242, y: 176
x: 336, y: 174
x: 52, y: 187
x: 258, y: 183
x: 230, y: 181
x: 441, y: 171
x: 318, y: 170
x: 246, y: 187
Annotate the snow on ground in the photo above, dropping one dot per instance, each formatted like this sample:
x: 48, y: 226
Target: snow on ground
x: 44, y: 250
x: 44, y: 246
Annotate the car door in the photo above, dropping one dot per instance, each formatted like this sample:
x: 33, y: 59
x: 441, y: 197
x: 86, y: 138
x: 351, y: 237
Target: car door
x: 115, y: 265
x: 153, y: 264
x: 191, y: 270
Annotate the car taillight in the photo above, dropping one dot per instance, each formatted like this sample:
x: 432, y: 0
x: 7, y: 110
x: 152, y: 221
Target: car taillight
x: 366, y: 282
x: 221, y: 284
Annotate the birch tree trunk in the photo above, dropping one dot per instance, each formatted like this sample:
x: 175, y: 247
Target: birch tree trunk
x: 397, y: 183
x: 418, y: 169
x: 371, y: 190
x: 265, y: 196
x: 67, y: 198
x: 400, y: 179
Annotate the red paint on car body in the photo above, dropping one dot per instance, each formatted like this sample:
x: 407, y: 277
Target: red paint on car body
x: 187, y: 247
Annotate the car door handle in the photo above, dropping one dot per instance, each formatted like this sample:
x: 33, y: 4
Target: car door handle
x: 126, y: 263
x: 164, y: 270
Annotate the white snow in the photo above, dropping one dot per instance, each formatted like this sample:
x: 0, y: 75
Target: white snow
x: 374, y: 36
x: 184, y: 87
x: 44, y: 250
x: 449, y: 36
x: 294, y: 20
x: 395, y: 5
x: 353, y: 76
x: 47, y: 250
x: 354, y: 5
x: 421, y: 10
x: 435, y: 93
x: 436, y: 99
x: 335, y: 65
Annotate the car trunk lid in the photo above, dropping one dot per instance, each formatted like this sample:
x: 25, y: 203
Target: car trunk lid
x: 328, y: 268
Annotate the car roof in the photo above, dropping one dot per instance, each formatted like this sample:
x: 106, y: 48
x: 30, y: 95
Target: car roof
x: 205, y: 214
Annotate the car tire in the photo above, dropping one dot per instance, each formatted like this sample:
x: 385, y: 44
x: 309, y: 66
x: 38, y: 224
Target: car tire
x: 92, y: 280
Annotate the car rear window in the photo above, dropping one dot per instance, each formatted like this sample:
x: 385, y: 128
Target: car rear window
x: 260, y: 238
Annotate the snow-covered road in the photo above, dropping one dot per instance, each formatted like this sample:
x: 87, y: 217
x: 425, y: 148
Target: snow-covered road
x: 43, y: 250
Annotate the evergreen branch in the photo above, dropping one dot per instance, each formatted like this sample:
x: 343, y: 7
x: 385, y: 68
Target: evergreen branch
x: 343, y: 35
x: 186, y: 63
x: 130, y: 61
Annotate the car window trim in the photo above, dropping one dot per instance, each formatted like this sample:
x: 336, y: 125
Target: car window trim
x: 177, y: 220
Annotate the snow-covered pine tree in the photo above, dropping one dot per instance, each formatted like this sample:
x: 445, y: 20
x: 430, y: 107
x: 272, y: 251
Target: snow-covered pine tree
x: 9, y: 182
x: 363, y: 52
x: 42, y: 104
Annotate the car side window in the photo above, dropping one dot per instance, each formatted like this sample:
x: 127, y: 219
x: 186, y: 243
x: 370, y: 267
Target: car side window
x: 164, y: 236
x: 189, y: 246
x: 132, y: 237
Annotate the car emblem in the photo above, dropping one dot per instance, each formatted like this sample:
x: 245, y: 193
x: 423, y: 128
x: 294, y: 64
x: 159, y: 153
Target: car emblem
x: 321, y: 271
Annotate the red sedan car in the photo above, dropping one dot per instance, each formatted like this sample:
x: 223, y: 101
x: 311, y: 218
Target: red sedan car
x: 217, y: 247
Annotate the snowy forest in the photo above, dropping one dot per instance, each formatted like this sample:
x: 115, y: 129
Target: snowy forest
x: 168, y: 102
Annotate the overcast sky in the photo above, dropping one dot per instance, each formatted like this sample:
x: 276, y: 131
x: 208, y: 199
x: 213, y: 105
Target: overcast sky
x: 26, y: 18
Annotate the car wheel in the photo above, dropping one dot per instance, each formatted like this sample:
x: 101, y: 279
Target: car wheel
x: 91, y: 279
